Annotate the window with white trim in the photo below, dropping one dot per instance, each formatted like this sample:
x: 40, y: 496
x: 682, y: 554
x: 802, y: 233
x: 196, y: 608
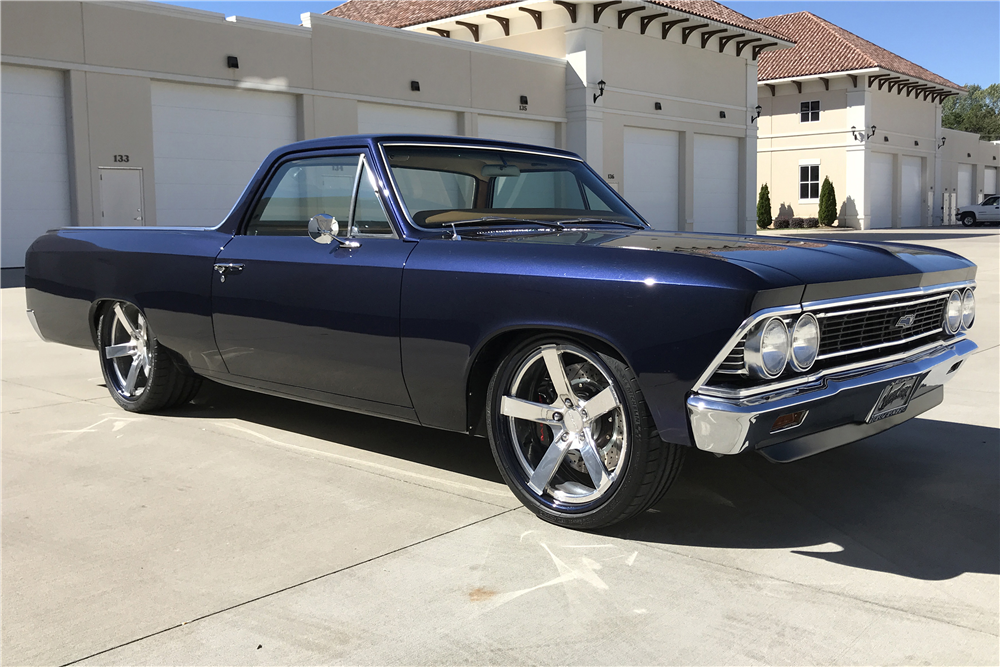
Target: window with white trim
x: 808, y: 182
x: 809, y: 112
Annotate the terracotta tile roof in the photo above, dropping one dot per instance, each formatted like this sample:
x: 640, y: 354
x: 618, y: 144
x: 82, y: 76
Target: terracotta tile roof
x: 821, y: 48
x: 405, y: 13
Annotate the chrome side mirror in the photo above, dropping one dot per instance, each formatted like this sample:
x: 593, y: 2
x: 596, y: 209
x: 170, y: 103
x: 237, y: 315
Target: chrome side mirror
x: 324, y: 229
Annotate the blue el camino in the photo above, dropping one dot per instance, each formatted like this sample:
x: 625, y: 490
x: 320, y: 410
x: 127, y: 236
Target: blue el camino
x: 506, y: 291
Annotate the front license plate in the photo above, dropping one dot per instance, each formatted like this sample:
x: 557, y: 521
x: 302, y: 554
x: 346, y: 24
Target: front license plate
x: 894, y: 398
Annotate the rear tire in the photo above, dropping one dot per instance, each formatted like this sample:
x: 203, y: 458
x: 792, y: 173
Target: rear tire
x: 573, y: 437
x: 139, y: 373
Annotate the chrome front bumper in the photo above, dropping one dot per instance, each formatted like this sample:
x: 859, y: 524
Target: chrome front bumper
x: 838, y: 407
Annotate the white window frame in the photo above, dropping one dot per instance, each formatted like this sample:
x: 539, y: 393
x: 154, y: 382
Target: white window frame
x: 819, y: 180
x: 811, y: 112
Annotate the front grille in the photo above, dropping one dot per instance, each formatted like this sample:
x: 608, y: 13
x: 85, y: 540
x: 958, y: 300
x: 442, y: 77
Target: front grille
x: 733, y: 363
x: 863, y: 327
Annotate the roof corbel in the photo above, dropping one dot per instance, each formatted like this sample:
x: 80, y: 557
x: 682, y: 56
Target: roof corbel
x: 601, y: 6
x: 826, y: 82
x: 756, y: 49
x: 644, y: 21
x: 798, y: 84
x: 877, y: 77
x: 687, y: 31
x: 854, y: 80
x: 535, y: 14
x: 440, y: 31
x: 743, y: 44
x: 667, y: 25
x: 471, y: 27
x: 890, y: 81
x: 623, y: 15
x: 569, y: 7
x: 708, y: 34
x: 725, y: 39
x: 504, y: 23
x: 771, y: 86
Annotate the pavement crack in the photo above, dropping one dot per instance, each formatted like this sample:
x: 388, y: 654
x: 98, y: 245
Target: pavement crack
x: 290, y: 587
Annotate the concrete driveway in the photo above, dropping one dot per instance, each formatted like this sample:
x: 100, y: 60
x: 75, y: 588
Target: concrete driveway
x: 246, y: 529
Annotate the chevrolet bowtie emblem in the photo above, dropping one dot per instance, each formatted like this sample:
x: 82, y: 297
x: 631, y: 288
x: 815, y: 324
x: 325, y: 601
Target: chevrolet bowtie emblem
x: 906, y: 321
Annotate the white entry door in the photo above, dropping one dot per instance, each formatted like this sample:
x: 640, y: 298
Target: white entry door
x: 651, y: 175
x: 388, y: 118
x: 121, y: 197
x: 911, y: 202
x: 716, y: 183
x: 880, y: 190
x: 35, y: 191
x: 207, y: 143
x: 965, y: 185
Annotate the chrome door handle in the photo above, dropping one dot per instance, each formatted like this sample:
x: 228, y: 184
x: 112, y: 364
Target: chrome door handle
x: 226, y: 269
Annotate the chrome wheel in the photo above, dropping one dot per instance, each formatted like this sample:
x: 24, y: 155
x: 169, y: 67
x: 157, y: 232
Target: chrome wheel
x: 128, y: 352
x: 567, y: 423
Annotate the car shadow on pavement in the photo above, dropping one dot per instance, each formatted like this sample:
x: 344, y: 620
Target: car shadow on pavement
x: 890, y: 236
x: 457, y: 452
x: 921, y: 500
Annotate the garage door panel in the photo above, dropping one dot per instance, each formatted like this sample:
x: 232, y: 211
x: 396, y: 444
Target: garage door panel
x: 652, y: 174
x: 386, y: 118
x: 965, y: 185
x: 208, y: 142
x: 990, y: 181
x: 910, y: 199
x: 520, y: 130
x: 716, y: 183
x: 35, y: 166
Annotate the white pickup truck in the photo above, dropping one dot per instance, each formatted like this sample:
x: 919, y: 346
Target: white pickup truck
x: 986, y: 211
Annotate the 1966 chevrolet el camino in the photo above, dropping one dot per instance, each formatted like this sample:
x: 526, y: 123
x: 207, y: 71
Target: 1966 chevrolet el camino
x: 505, y: 290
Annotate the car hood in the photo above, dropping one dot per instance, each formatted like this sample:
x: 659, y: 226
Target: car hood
x: 828, y: 269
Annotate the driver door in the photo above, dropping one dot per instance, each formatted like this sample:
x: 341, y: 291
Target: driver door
x: 312, y: 317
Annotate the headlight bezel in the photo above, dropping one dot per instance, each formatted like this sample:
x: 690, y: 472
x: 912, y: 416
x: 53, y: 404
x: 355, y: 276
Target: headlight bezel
x: 967, y: 321
x: 754, y: 355
x: 954, y: 298
x: 804, y: 320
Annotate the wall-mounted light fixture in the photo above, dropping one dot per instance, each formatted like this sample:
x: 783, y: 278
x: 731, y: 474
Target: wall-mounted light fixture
x: 916, y: 143
x: 524, y: 99
x: 600, y: 87
x: 968, y: 155
x: 943, y: 139
x: 415, y: 86
x: 659, y: 107
x: 885, y: 138
x: 232, y: 62
x: 758, y: 109
x: 722, y: 114
x: 860, y: 135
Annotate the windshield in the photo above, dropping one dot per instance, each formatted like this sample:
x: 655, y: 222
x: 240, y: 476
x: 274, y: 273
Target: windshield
x: 441, y: 185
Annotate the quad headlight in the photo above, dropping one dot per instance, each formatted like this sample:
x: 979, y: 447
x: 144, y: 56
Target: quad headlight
x: 968, y: 308
x: 767, y: 349
x: 953, y: 313
x: 805, y: 342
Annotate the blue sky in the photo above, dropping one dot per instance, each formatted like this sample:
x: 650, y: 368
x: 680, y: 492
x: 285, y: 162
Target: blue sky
x: 957, y: 40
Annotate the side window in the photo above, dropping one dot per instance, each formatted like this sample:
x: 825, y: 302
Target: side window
x: 809, y: 181
x: 302, y: 188
x: 809, y: 112
x: 369, y: 216
x: 595, y: 203
x: 538, y: 189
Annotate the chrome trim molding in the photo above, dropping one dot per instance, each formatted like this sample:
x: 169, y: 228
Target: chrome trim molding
x: 831, y: 355
x: 34, y: 325
x: 881, y: 296
x: 722, y: 425
x: 888, y: 305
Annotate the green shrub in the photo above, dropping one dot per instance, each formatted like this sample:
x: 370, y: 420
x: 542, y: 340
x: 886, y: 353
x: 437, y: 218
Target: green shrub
x: 764, y: 208
x: 811, y: 223
x: 798, y: 223
x: 827, y: 203
x: 781, y: 223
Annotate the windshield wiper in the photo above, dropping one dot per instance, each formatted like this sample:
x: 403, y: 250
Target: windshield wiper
x: 503, y: 218
x: 633, y: 225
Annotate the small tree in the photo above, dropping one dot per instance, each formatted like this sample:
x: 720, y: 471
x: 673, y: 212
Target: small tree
x: 764, y: 207
x: 827, y: 203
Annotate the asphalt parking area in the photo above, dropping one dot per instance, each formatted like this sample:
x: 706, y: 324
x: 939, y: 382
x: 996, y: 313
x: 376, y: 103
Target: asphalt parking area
x: 246, y: 529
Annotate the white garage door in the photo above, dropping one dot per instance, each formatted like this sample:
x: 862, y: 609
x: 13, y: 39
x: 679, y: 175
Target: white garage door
x: 716, y: 180
x: 910, y: 200
x: 880, y: 190
x: 990, y: 181
x: 523, y: 131
x: 35, y: 190
x: 375, y: 118
x: 207, y: 143
x: 965, y: 185
x: 651, y: 174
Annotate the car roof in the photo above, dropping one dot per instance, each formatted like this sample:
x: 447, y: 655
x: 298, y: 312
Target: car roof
x: 359, y: 139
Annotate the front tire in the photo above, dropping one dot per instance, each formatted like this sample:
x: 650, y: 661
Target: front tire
x: 573, y: 437
x: 968, y: 220
x: 138, y: 371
